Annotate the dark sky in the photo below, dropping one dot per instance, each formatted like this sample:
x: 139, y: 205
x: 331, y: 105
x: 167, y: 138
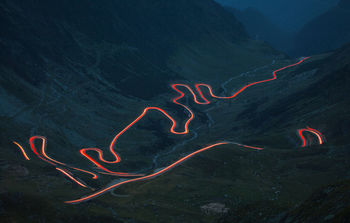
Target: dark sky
x: 288, y: 14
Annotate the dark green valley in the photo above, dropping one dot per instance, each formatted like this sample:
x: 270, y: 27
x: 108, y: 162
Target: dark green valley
x: 173, y: 111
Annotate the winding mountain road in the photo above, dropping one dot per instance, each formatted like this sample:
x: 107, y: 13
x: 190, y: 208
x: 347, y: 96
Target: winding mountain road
x: 198, y: 97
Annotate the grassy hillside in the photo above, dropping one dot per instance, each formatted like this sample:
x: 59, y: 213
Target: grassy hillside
x: 261, y: 186
x: 78, y: 73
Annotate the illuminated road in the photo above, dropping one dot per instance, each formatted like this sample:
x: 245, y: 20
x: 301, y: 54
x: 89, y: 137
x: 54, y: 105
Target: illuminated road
x: 22, y: 150
x: 86, y: 152
x: 223, y: 85
x: 305, y: 142
x: 166, y: 169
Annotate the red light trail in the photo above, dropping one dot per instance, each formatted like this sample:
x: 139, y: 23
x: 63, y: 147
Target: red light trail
x: 166, y: 169
x: 71, y: 177
x: 112, y: 147
x: 22, y: 150
x: 318, y: 134
x: 50, y: 160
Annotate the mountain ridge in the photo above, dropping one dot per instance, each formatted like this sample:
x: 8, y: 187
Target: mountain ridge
x: 331, y: 28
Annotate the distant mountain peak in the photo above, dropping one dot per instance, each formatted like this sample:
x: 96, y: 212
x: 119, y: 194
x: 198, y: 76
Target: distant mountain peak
x: 344, y: 4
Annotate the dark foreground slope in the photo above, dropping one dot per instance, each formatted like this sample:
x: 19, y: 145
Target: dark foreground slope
x: 268, y: 185
x: 332, y: 30
x: 329, y: 204
x: 323, y: 104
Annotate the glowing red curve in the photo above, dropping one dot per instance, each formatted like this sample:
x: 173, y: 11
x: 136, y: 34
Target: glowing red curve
x: 318, y: 134
x: 43, y: 155
x: 172, y: 129
x: 173, y: 126
x: 22, y: 150
x: 71, y: 177
x: 144, y: 177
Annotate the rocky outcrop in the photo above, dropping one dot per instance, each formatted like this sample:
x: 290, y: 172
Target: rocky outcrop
x: 15, y: 170
x: 214, y: 209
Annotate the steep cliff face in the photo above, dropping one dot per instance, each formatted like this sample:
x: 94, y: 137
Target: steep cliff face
x: 324, y: 33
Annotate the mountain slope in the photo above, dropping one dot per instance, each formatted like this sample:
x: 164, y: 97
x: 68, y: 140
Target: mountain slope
x: 76, y: 72
x: 259, y: 186
x: 79, y: 72
x: 331, y: 28
x: 116, y: 38
x: 329, y: 204
x: 260, y: 27
x: 314, y: 94
x: 288, y: 15
x: 263, y: 186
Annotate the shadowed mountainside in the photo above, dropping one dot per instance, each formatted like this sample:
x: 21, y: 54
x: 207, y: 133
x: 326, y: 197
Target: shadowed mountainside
x: 288, y: 15
x: 321, y: 101
x: 126, y: 43
x: 332, y: 30
x: 329, y: 204
x: 78, y: 73
x: 263, y: 186
x: 260, y: 27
